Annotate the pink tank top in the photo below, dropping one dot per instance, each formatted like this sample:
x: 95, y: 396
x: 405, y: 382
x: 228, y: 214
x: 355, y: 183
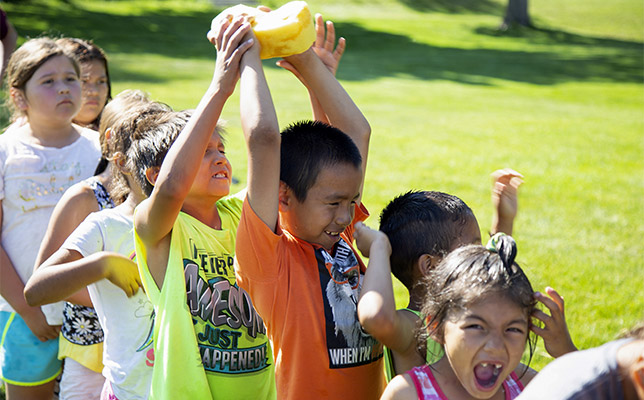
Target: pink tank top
x: 427, y: 388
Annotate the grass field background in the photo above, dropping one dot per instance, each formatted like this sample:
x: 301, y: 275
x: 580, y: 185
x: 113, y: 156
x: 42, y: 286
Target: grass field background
x: 449, y: 100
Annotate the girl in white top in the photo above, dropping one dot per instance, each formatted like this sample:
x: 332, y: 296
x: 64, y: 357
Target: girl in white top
x: 39, y: 160
x: 99, y: 254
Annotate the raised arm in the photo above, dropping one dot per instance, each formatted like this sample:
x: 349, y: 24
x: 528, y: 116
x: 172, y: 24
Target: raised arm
x: 155, y: 216
x: 505, y: 199
x: 335, y: 101
x: 553, y: 330
x: 330, y: 56
x: 261, y: 132
x: 377, y: 306
x: 67, y: 271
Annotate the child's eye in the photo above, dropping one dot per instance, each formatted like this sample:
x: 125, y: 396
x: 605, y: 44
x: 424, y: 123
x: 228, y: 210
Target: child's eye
x: 102, y: 81
x: 47, y: 81
x: 334, y: 204
x: 473, y: 326
x: 516, y: 330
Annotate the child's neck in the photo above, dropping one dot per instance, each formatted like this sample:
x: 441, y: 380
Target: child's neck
x: 204, y: 210
x: 50, y: 135
x: 415, y: 299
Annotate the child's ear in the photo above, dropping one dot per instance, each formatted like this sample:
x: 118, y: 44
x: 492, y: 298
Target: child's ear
x: 119, y: 161
x: 285, y: 197
x: 19, y: 98
x: 434, y: 333
x: 426, y: 263
x: 151, y: 174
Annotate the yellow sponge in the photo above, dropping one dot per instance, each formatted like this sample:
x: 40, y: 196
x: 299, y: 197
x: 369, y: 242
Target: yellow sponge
x: 281, y: 33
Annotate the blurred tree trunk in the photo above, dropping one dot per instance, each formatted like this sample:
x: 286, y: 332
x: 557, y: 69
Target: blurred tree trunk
x: 516, y: 14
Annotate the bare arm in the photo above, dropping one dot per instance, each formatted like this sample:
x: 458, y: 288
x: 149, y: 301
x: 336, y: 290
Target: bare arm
x: 67, y: 271
x: 261, y: 132
x: 335, y: 101
x: 155, y: 216
x: 330, y: 56
x: 75, y: 205
x: 505, y: 199
x: 11, y: 288
x: 377, y: 305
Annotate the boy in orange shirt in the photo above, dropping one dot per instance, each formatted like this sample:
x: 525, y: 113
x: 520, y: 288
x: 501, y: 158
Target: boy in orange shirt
x: 294, y: 252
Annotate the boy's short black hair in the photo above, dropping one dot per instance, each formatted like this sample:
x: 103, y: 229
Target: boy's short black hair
x: 307, y: 147
x: 421, y: 222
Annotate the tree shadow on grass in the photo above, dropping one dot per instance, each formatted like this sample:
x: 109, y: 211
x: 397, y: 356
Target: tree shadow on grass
x: 374, y: 54
x: 456, y: 6
x: 370, y: 54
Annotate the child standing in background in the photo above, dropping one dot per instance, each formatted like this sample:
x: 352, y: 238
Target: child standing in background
x: 294, y: 253
x: 95, y: 79
x: 99, y: 254
x: 209, y: 341
x: 38, y: 162
x: 81, y: 339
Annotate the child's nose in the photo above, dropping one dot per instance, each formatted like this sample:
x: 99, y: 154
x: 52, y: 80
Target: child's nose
x: 63, y: 88
x: 90, y: 88
x: 344, y: 215
x: 494, y: 343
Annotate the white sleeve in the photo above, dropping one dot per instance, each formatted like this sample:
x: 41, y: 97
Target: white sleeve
x: 88, y: 237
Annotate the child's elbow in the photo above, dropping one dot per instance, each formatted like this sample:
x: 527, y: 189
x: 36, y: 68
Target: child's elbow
x: 376, y: 321
x: 31, y: 296
x: 264, y: 138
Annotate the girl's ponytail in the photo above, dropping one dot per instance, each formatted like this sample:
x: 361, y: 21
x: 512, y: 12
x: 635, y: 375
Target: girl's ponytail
x: 506, y: 248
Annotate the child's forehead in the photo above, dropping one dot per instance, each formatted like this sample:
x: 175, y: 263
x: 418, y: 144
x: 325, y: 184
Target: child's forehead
x: 55, y: 65
x: 337, y: 181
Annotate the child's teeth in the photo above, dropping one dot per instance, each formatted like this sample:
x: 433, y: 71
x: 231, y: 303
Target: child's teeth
x: 484, y: 365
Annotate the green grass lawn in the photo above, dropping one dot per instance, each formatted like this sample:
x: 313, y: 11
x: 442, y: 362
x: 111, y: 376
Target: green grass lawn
x: 449, y: 100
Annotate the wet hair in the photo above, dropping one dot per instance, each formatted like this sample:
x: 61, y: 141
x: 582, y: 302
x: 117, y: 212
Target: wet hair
x: 85, y: 51
x: 309, y: 146
x: 470, y: 274
x: 131, y: 126
x: 112, y: 113
x: 24, y: 63
x: 422, y: 222
x: 150, y: 149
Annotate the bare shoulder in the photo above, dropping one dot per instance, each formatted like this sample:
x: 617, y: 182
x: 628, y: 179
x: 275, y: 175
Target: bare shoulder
x: 401, y: 387
x: 79, y: 199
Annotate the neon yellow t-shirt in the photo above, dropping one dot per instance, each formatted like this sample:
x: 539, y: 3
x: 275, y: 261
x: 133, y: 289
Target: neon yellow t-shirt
x: 209, y: 342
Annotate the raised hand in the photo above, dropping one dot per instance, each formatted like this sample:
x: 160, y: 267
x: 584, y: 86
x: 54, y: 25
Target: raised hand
x: 505, y: 199
x: 553, y: 329
x: 323, y: 47
x: 365, y: 237
x: 232, y: 39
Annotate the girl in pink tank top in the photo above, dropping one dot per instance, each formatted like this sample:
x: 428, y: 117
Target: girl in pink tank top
x: 480, y: 302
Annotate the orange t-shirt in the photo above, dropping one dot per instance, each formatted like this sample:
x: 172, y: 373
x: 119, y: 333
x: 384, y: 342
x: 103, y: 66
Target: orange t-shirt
x: 319, y: 347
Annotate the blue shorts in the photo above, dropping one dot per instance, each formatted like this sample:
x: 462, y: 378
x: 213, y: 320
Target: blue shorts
x: 25, y: 360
